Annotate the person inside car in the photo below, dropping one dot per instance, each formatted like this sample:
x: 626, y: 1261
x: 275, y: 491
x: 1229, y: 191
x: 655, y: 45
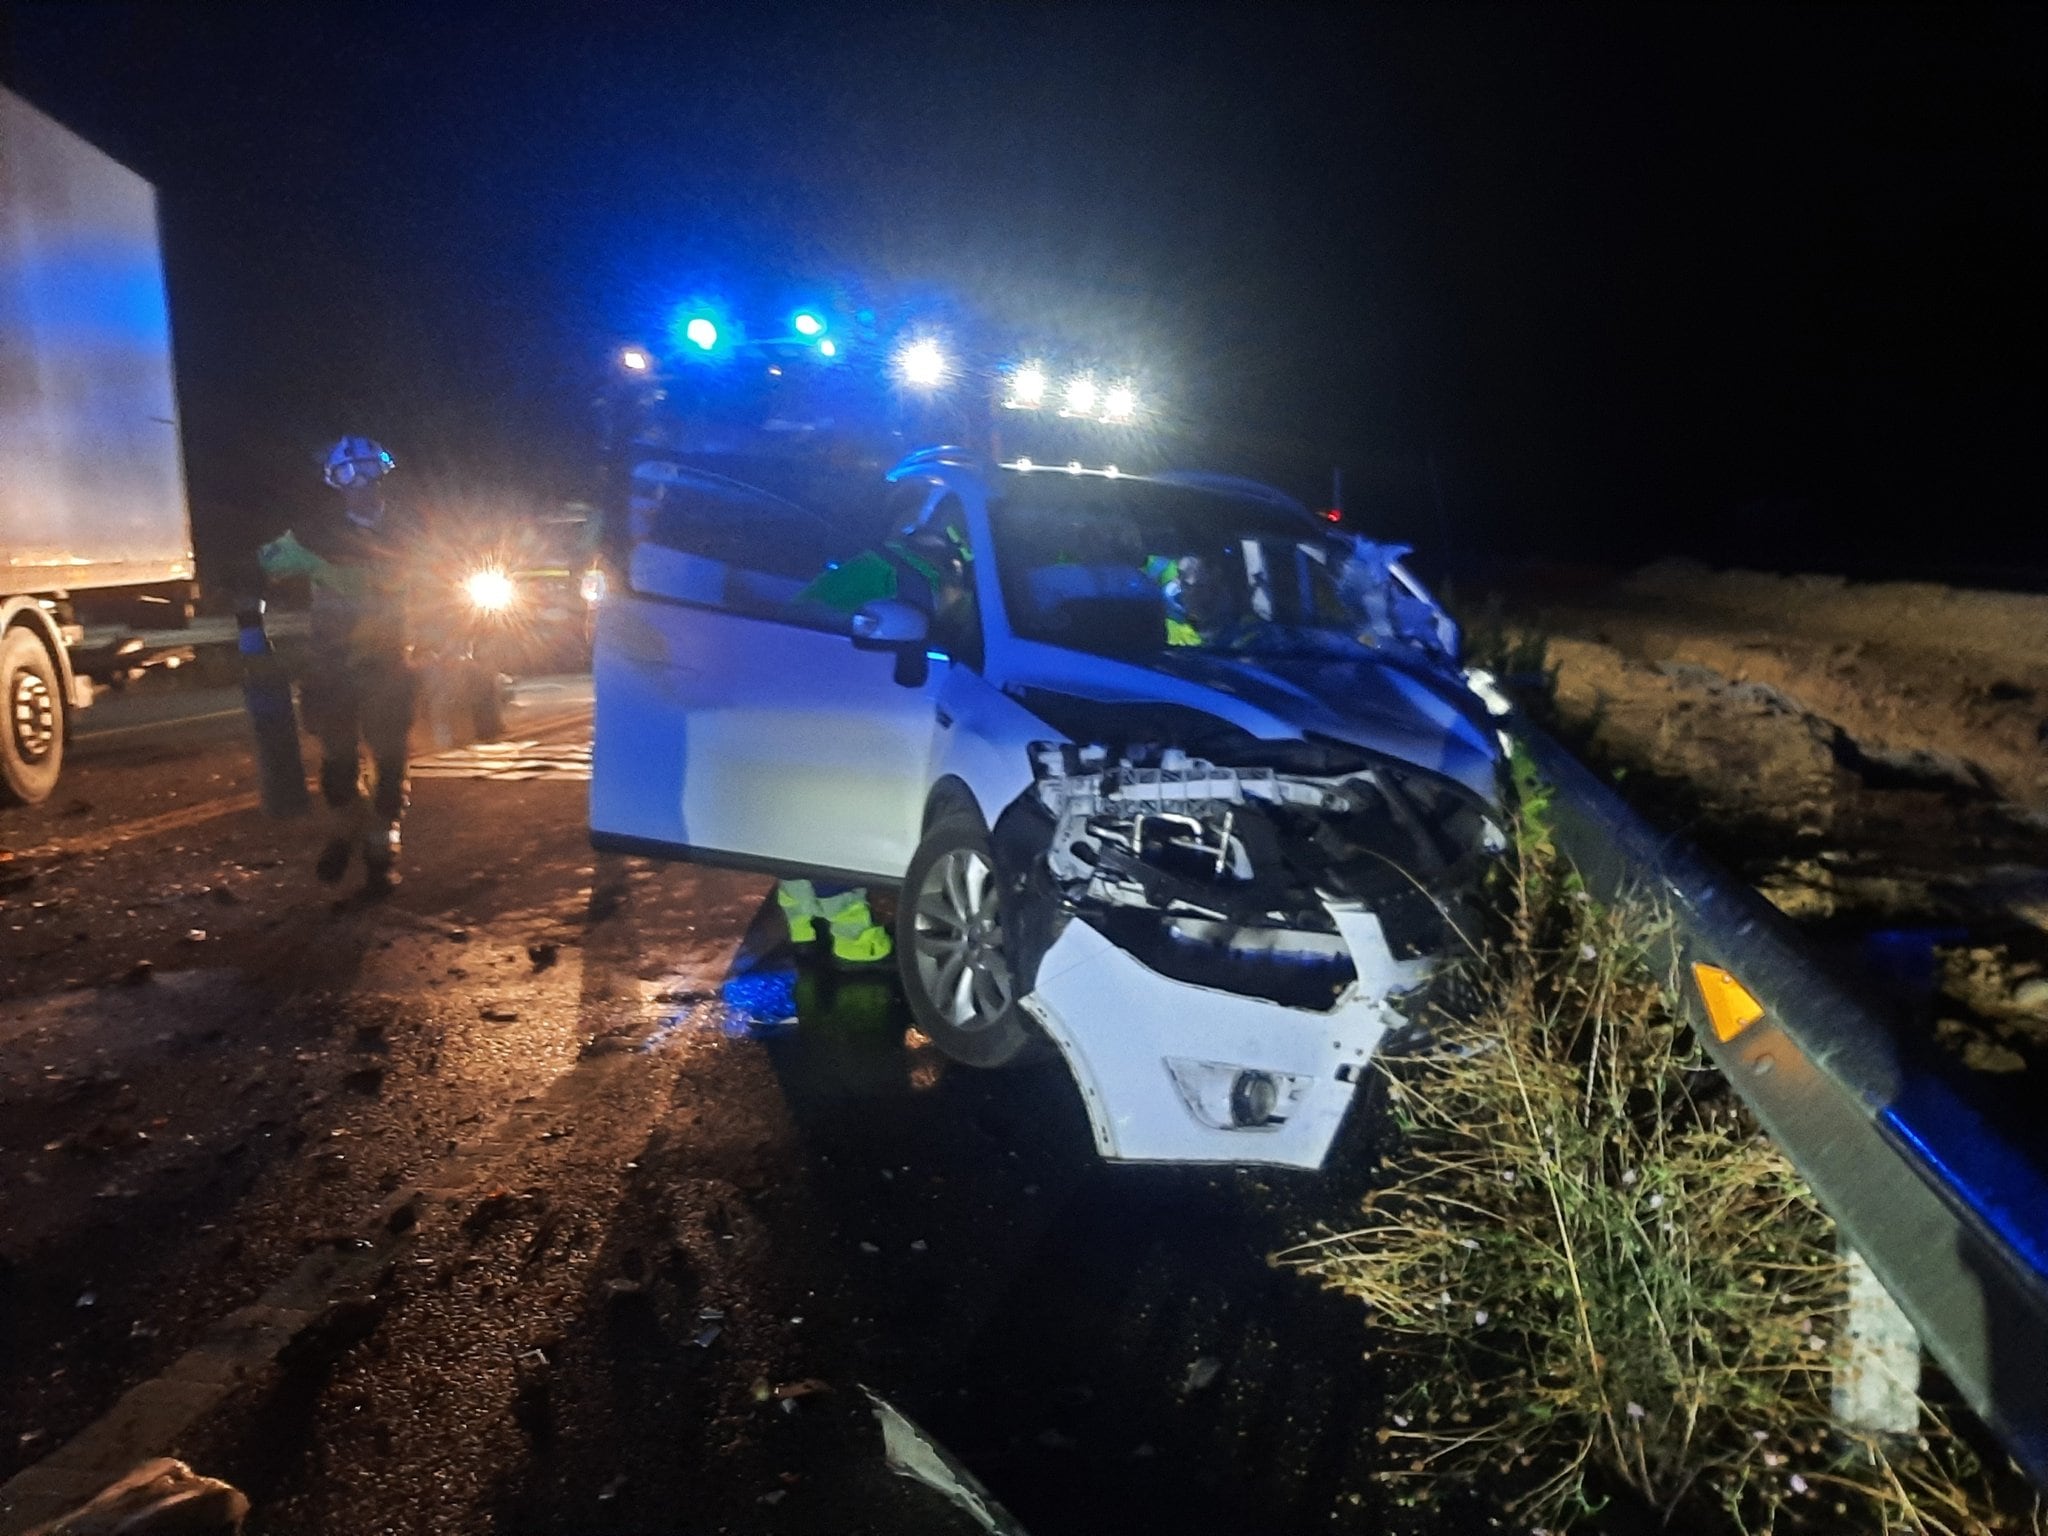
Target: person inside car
x: 1207, y: 606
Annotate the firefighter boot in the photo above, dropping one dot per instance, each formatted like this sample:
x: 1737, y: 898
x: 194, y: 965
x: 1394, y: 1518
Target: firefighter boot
x: 344, y: 825
x: 380, y: 856
x: 800, y: 907
x: 857, y: 939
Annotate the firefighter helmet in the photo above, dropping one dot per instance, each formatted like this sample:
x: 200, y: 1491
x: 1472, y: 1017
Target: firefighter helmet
x: 355, y: 459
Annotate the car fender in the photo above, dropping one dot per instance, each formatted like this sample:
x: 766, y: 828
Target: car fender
x: 982, y: 742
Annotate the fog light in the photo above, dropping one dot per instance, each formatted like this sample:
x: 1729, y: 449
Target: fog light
x: 1253, y: 1098
x: 1228, y: 1097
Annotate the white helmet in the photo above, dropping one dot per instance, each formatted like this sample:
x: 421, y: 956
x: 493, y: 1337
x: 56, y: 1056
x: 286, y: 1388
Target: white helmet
x: 356, y: 458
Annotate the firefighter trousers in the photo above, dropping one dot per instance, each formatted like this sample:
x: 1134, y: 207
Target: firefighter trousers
x: 352, y: 703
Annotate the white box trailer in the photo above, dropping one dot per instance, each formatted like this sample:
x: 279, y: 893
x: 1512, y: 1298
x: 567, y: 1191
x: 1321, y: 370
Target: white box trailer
x: 92, y: 480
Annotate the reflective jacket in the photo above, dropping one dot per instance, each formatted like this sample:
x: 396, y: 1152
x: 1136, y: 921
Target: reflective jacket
x: 359, y: 575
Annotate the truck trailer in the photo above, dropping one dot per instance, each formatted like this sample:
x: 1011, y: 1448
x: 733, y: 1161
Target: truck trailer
x: 95, y: 535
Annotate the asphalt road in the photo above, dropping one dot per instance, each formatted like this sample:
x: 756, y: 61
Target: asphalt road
x: 477, y: 1210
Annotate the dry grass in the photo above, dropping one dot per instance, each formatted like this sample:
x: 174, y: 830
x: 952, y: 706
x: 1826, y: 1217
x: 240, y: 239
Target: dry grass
x: 1608, y: 1277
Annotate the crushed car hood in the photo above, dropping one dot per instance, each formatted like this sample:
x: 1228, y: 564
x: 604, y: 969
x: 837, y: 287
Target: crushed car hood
x: 1398, y: 709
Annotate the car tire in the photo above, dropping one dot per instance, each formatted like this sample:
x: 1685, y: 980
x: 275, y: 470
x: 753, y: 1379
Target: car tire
x: 32, y: 726
x: 949, y: 947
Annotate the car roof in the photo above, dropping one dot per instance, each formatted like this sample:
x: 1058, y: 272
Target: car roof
x: 954, y: 457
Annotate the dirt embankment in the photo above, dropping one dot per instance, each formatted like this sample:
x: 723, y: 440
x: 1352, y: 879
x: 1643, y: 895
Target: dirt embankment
x: 1908, y: 670
x: 1873, y: 756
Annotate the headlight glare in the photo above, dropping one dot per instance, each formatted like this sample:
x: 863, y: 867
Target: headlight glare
x: 489, y: 591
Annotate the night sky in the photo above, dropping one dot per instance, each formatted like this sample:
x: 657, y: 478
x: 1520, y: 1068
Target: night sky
x: 1759, y: 285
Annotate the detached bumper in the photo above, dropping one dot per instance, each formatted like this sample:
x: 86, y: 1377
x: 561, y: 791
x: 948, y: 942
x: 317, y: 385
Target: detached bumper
x: 1172, y: 1072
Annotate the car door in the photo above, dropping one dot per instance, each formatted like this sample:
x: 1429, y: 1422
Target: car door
x: 735, y: 727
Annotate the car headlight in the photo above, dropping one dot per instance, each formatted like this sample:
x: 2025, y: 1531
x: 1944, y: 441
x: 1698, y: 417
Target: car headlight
x: 593, y: 585
x: 490, y: 591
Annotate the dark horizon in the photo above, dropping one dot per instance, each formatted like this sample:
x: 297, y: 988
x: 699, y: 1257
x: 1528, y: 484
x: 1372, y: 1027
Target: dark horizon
x: 1752, y: 286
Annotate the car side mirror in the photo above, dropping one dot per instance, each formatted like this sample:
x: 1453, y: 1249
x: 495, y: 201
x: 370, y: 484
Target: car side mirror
x: 889, y: 623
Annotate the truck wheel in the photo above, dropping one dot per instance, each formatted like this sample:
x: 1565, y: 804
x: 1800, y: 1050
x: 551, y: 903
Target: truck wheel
x: 32, y: 734
x: 949, y: 946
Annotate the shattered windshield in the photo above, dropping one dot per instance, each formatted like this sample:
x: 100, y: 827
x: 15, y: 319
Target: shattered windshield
x: 1138, y: 568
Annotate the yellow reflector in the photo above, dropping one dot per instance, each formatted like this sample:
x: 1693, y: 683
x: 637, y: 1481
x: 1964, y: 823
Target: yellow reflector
x: 1730, y: 1005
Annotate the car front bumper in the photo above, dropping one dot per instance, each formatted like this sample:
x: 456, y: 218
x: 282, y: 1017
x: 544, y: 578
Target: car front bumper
x: 1162, y: 1064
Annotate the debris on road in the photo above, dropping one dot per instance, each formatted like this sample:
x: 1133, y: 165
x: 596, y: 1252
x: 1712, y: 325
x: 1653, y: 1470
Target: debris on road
x: 498, y: 1013
x: 912, y: 1453
x: 158, y: 1498
x: 542, y: 955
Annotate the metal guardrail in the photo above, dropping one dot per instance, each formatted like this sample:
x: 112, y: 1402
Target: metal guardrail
x: 1948, y: 1214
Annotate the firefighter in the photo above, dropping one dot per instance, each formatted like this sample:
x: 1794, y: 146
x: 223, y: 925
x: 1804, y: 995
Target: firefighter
x: 1210, y: 606
x: 925, y: 564
x: 359, y: 686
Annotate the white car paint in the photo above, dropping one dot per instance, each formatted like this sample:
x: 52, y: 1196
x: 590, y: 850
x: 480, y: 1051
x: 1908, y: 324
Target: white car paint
x: 728, y: 734
x: 1122, y: 1028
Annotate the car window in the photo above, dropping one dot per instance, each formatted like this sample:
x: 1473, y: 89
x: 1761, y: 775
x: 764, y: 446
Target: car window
x: 1137, y: 568
x: 956, y: 621
x: 729, y: 522
x: 703, y: 536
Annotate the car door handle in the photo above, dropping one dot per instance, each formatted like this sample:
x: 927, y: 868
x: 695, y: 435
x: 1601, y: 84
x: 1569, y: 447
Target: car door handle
x: 945, y: 721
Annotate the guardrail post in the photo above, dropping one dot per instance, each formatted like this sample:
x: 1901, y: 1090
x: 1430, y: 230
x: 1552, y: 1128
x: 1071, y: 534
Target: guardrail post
x: 1877, y: 1370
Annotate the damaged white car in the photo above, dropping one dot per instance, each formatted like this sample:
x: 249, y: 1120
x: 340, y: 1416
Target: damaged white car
x: 1168, y: 773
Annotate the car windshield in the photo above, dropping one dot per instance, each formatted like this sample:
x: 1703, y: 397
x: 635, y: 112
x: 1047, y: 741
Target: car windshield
x: 1135, y: 568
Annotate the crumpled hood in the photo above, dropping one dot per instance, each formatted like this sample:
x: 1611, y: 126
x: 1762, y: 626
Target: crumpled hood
x: 1433, y: 721
x: 1401, y: 709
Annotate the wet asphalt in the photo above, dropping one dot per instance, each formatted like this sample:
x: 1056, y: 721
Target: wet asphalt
x: 476, y: 1210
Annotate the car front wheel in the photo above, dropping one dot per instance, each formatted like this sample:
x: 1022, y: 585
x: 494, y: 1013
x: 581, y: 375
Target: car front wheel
x: 949, y: 943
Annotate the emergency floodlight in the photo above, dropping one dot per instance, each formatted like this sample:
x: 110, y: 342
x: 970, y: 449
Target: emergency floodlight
x: 1027, y: 388
x: 922, y: 364
x: 702, y: 333
x: 635, y: 360
x: 808, y: 324
x: 1081, y: 393
x: 1120, y: 403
